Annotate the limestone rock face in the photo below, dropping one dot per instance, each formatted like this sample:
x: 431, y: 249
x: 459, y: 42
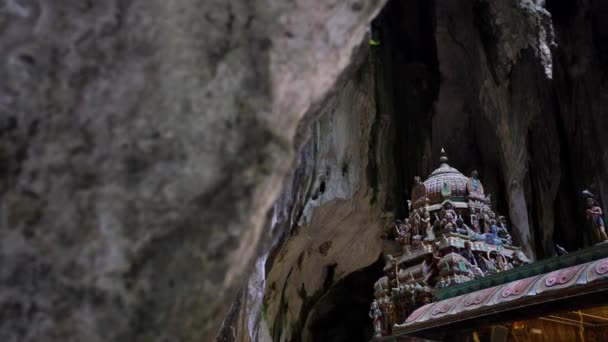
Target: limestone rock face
x: 169, y: 166
x: 331, y: 221
x: 142, y: 145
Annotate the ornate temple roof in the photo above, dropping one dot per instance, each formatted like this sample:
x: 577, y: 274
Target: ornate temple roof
x: 584, y: 279
x: 446, y: 182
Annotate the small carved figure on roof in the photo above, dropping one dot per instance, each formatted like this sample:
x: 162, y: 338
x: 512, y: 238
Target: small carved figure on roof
x: 501, y: 262
x: 430, y: 265
x: 403, y: 232
x: 467, y: 253
x: 393, y: 263
x: 595, y: 217
x: 449, y: 223
x: 425, y: 219
x: 429, y: 231
x: 491, y: 237
x: 376, y: 315
x: 475, y: 224
x: 416, y: 224
x: 437, y: 223
x: 448, y: 208
x: 490, y: 263
x: 461, y: 228
x: 474, y: 186
x: 486, y: 222
x: 419, y: 192
x: 407, y: 228
x: 387, y: 308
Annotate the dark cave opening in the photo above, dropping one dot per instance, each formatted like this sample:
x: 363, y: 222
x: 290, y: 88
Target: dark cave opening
x: 407, y: 82
x: 342, y: 313
x: 561, y: 11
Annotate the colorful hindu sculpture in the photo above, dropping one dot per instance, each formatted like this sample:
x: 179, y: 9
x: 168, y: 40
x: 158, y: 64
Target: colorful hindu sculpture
x: 439, y: 248
x: 376, y: 315
x: 595, y: 217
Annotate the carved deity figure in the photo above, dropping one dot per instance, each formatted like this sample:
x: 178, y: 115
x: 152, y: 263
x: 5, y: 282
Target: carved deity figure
x: 394, y: 264
x: 448, y: 209
x: 475, y: 224
x: 425, y: 221
x: 429, y: 231
x: 430, y: 266
x: 386, y: 308
x: 407, y: 228
x: 501, y: 263
x: 595, y: 218
x: 419, y: 193
x: 474, y: 186
x: 491, y: 237
x: 416, y: 224
x: 486, y: 222
x: 376, y: 315
x: 449, y: 223
x: 461, y: 228
x: 490, y: 264
x: 475, y: 180
x: 437, y: 223
x: 468, y: 254
x: 403, y: 232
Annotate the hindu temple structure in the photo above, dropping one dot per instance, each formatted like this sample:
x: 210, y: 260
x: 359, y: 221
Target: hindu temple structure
x: 458, y: 258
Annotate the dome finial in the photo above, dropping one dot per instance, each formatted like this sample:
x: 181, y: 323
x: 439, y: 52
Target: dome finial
x: 444, y: 157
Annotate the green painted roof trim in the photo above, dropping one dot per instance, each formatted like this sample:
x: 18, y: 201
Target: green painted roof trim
x: 543, y: 266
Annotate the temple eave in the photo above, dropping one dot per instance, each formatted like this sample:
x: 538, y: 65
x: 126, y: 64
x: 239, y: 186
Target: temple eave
x: 564, y: 284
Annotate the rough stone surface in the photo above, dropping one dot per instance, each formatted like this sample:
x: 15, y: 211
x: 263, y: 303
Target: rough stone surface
x: 142, y: 144
x: 335, y: 228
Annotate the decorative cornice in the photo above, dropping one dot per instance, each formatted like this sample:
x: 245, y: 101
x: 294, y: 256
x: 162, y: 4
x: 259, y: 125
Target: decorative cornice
x: 533, y: 290
x: 536, y: 268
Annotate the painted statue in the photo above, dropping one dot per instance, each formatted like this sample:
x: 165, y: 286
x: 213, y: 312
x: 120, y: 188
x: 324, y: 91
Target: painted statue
x: 430, y: 266
x: 449, y: 223
x: 485, y: 219
x: 416, y: 224
x: 386, y: 308
x: 490, y: 264
x: 376, y: 315
x: 403, y: 232
x: 461, y: 228
x: 448, y: 209
x: 468, y: 254
x: 595, y: 217
x: 425, y: 221
x: 501, y: 263
x: 491, y: 237
x: 475, y: 224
